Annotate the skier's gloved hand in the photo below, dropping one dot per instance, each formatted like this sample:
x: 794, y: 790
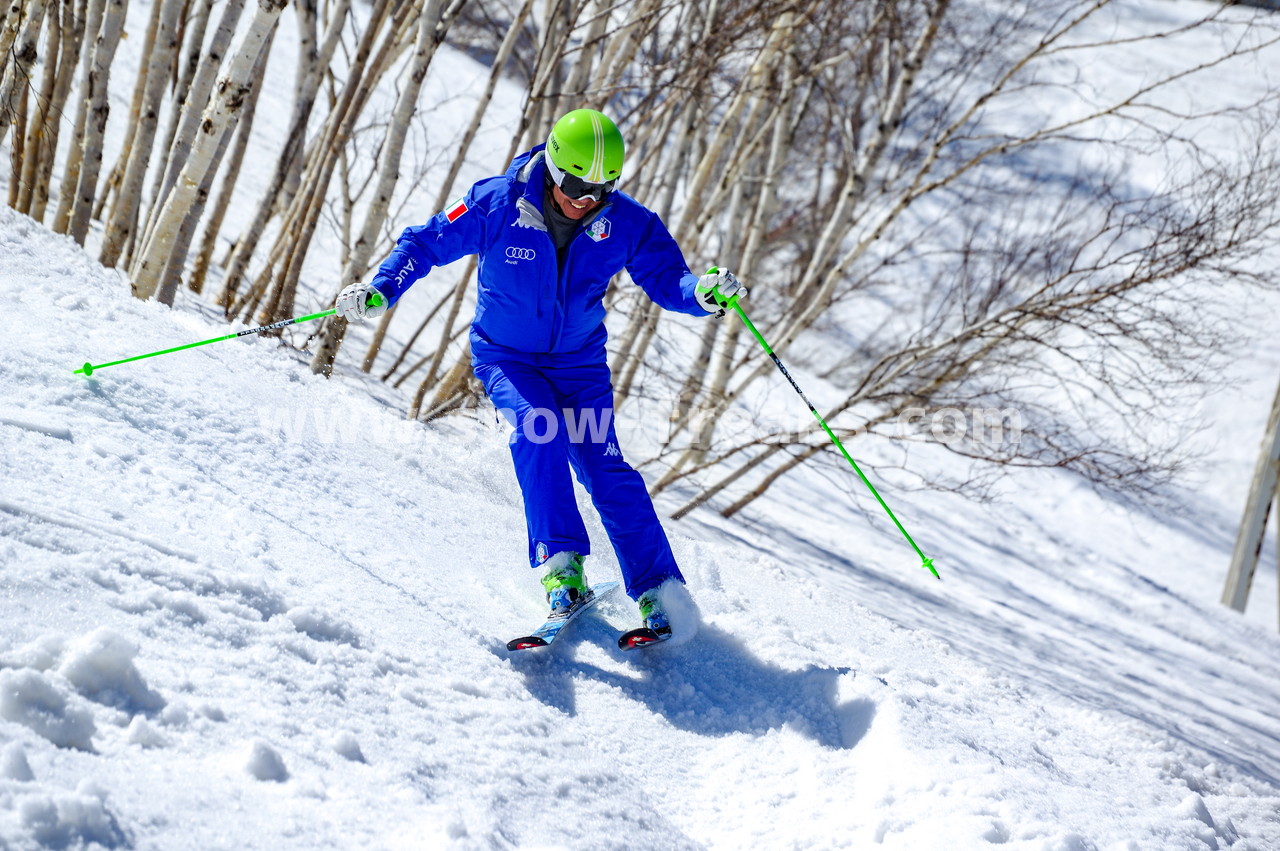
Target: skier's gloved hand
x: 361, y: 301
x: 719, y: 290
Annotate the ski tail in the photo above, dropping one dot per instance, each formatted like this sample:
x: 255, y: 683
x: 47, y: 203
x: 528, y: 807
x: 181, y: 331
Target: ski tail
x: 642, y: 637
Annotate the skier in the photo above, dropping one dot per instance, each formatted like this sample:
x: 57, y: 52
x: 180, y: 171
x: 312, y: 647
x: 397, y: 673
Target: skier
x: 550, y: 234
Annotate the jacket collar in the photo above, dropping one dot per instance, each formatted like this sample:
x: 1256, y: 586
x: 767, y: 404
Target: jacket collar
x: 527, y: 174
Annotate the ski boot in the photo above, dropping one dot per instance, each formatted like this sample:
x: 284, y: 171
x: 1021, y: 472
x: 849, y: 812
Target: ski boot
x: 655, y: 616
x: 656, y: 627
x: 565, y: 582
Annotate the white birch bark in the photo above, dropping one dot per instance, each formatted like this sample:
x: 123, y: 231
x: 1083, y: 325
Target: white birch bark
x: 35, y: 149
x: 228, y: 100
x: 75, y: 150
x: 98, y: 110
x: 310, y: 73
x: 112, y: 183
x: 69, y: 52
x: 242, y: 120
x: 19, y: 109
x: 12, y: 23
x: 432, y: 28
x: 191, y: 34
x: 19, y: 67
x: 124, y: 215
x: 197, y: 98
x: 213, y: 221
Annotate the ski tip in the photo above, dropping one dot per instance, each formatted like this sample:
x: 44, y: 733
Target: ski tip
x: 526, y: 643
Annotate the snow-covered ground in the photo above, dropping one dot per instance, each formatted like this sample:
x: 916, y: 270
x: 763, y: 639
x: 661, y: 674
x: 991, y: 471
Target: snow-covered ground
x: 266, y: 613
x: 246, y: 607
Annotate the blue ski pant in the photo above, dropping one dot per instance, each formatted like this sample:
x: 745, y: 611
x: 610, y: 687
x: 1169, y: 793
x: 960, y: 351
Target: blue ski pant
x: 562, y: 418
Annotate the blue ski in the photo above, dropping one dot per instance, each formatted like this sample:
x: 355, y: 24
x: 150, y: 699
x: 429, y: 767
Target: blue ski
x: 545, y: 634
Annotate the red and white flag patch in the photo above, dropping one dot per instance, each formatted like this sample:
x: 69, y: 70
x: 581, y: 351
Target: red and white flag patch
x: 456, y: 210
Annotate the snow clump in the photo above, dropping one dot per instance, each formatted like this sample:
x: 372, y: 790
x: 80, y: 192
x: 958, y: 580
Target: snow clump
x: 14, y: 765
x: 347, y: 746
x: 320, y: 626
x: 28, y: 697
x: 72, y: 819
x: 264, y: 763
x: 100, y: 666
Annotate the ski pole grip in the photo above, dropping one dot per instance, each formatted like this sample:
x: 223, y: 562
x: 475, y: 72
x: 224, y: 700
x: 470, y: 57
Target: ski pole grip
x: 727, y: 302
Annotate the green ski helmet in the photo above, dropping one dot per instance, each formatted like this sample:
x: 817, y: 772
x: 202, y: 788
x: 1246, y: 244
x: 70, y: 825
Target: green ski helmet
x: 584, y: 143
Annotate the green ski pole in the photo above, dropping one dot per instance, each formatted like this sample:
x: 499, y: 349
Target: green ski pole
x: 732, y: 304
x: 88, y: 369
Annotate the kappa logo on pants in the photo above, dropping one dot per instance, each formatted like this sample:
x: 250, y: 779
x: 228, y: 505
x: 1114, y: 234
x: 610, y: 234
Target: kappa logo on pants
x: 612, y: 449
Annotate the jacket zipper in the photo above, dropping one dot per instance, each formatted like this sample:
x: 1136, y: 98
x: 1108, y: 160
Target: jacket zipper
x: 562, y: 279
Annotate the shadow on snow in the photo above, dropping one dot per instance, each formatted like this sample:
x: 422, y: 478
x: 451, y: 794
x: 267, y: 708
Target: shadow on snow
x: 713, y: 687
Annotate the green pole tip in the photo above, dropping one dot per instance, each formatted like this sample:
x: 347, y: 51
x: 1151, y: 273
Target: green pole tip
x: 928, y: 565
x: 87, y: 369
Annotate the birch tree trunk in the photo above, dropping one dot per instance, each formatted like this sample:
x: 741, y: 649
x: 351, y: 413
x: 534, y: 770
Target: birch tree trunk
x: 9, y: 27
x: 191, y: 40
x: 75, y: 151
x: 19, y: 67
x: 191, y: 33
x: 432, y: 29
x: 213, y: 221
x: 195, y: 101
x: 172, y: 275
x: 98, y: 109
x: 304, y: 213
x: 19, y: 109
x: 124, y: 218
x: 73, y: 29
x: 310, y: 74
x: 35, y: 148
x: 112, y: 184
x: 228, y: 100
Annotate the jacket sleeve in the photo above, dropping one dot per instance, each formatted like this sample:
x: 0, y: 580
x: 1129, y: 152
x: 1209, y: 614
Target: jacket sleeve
x: 454, y: 232
x: 658, y: 267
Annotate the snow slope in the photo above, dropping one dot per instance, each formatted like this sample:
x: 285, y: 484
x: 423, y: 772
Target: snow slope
x: 234, y: 620
x: 244, y: 607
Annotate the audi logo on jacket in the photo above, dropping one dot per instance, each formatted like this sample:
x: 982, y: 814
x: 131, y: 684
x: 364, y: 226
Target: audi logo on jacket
x: 525, y: 302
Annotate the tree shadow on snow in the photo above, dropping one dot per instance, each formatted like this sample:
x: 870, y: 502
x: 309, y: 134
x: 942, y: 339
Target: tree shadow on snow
x: 712, y: 686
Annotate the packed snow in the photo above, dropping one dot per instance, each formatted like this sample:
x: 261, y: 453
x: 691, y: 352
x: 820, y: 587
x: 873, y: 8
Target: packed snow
x: 248, y: 607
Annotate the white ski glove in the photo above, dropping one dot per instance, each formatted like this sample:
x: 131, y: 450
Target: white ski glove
x: 359, y: 301
x: 719, y: 290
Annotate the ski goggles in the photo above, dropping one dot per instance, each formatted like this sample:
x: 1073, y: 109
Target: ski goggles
x: 575, y: 187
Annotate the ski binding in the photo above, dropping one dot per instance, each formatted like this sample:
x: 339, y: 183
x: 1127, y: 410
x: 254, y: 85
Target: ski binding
x: 545, y: 634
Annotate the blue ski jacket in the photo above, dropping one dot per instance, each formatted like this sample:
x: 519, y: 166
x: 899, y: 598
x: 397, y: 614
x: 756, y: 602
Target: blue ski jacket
x: 527, y: 304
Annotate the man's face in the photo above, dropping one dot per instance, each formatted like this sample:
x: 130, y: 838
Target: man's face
x: 575, y: 210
